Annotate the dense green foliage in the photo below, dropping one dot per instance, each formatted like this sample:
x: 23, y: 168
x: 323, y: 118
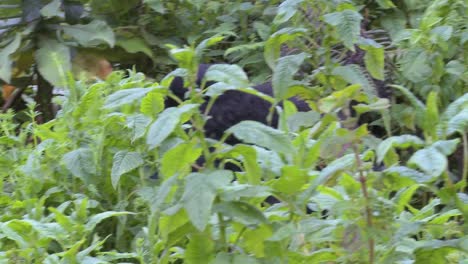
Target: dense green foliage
x: 386, y: 182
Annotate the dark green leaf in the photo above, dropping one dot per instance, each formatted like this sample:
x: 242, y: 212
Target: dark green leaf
x: 90, y: 35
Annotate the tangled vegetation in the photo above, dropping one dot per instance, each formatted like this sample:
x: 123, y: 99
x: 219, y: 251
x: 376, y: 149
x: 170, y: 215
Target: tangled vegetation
x: 376, y: 172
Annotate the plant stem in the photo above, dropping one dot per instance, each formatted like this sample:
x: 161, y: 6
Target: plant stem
x: 465, y: 162
x: 363, y: 180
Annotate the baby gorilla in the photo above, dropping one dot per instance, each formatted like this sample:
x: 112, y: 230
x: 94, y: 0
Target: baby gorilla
x: 233, y: 106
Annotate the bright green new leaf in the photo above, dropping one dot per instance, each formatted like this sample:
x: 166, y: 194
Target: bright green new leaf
x: 179, y: 158
x: 124, y: 162
x: 152, y: 104
x: 375, y: 62
x: 90, y: 35
x: 431, y: 117
x: 200, y: 249
x: 257, y: 133
x: 339, y: 98
x: 385, y: 4
x: 249, y: 161
x: 291, y: 181
x: 206, y: 44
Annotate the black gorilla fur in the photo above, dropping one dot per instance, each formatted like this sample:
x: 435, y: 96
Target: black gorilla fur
x: 233, y: 106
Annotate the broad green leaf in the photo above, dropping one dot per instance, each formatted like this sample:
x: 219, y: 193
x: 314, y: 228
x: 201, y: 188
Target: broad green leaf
x: 375, y: 62
x: 122, y: 163
x: 446, y: 147
x: 5, y: 62
x: 134, y: 45
x: 179, y: 158
x: 401, y: 142
x: 234, y: 193
x: 456, y: 106
x: 165, y: 124
x: 91, y: 101
x: 126, y: 96
x: 341, y: 164
x: 353, y: 74
x: 455, y: 67
x: 339, y: 98
x: 200, y: 249
x: 90, y: 35
x: 286, y: 10
x: 53, y: 61
x: 420, y: 107
x: 458, y: 123
x: 199, y: 194
x: 430, y: 161
x: 441, y: 33
x: 185, y: 58
x: 137, y: 124
x: 52, y: 9
x: 404, y: 196
x: 243, y: 212
x: 385, y: 4
x: 291, y: 181
x: 380, y: 104
x: 283, y: 74
x: 415, y: 65
x: 405, y: 172
x: 156, y: 5
x: 152, y: 104
x: 49, y: 230
x: 302, y: 120
x: 80, y: 163
x: 229, y: 74
x: 257, y: 133
x: 249, y: 161
x: 434, y: 252
x: 273, y: 44
x: 163, y: 192
x: 97, y: 218
x: 200, y: 49
x: 348, y: 25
